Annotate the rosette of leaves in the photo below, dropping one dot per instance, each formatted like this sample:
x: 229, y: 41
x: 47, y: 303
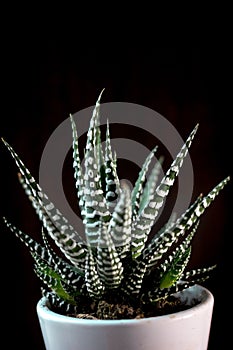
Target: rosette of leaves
x: 116, y: 271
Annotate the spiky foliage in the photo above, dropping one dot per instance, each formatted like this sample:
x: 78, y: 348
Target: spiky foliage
x: 116, y: 262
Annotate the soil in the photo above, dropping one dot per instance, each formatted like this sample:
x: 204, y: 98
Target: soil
x: 104, y: 310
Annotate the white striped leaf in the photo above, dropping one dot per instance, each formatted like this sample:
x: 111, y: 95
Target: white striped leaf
x: 159, y: 246
x: 34, y: 191
x: 53, y: 280
x: 78, y: 172
x: 176, y: 268
x: 112, y: 183
x: 94, y: 285
x: 138, y: 189
x: 150, y: 185
x: 95, y: 205
x: 109, y: 265
x: 143, y: 223
x: 120, y: 224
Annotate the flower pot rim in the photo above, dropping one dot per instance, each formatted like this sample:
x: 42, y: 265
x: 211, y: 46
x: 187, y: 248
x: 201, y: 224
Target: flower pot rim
x: 205, y: 296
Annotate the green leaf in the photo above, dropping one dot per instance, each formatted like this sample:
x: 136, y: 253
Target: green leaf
x: 139, y: 184
x: 176, y: 268
x: 150, y: 185
x: 53, y: 280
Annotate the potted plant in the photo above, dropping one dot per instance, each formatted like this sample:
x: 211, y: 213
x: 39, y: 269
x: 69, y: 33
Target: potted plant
x: 120, y: 288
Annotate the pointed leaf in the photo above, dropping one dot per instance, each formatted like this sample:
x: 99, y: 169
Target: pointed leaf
x: 96, y: 209
x: 110, y: 268
x: 150, y: 185
x: 120, y: 223
x: 144, y: 222
x: 78, y: 172
x: 173, y: 274
x: 139, y: 184
x: 112, y: 183
x: 65, y: 239
x: 159, y: 246
x: 132, y: 283
x: 94, y: 285
x: 52, y: 279
x: 34, y: 191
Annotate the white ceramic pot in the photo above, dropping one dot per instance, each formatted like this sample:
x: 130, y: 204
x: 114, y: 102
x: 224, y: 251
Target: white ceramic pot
x: 184, y: 330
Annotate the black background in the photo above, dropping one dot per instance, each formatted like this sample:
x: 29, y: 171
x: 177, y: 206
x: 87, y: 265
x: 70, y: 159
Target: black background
x: 46, y: 78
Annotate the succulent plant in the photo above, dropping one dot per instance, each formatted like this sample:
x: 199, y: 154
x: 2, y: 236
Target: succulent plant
x: 118, y: 270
